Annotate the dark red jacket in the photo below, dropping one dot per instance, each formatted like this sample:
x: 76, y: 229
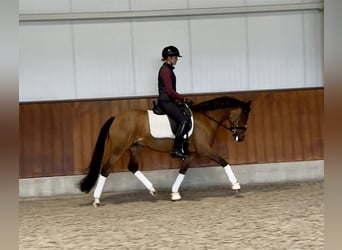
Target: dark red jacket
x: 167, y: 84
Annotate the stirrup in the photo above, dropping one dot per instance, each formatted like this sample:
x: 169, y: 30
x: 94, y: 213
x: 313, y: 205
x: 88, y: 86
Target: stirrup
x: 177, y: 153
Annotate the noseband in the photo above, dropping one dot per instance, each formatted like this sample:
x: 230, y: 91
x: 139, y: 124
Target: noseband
x: 233, y: 129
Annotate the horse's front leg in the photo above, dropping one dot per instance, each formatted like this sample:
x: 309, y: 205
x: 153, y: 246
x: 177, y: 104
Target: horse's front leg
x: 232, y: 178
x: 228, y: 170
x: 175, y: 195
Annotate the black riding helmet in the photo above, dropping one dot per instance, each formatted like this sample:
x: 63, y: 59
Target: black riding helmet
x: 170, y: 51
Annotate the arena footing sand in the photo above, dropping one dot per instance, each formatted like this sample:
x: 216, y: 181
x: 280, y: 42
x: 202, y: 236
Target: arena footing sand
x: 279, y: 216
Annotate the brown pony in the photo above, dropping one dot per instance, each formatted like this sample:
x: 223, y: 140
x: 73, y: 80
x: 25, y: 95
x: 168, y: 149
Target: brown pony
x: 130, y: 131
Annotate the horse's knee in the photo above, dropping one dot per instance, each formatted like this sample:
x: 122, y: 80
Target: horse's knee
x: 183, y: 169
x: 133, y: 167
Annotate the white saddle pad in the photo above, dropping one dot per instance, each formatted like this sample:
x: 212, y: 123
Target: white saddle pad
x: 160, y: 126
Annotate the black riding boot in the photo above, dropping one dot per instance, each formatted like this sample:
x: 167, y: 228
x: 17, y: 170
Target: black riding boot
x: 178, y: 147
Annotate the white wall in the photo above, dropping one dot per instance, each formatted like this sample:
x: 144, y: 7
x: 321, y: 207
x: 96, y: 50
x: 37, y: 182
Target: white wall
x: 119, y: 58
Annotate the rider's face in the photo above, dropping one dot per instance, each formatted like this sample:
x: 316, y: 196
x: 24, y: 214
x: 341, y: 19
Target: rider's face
x: 173, y: 60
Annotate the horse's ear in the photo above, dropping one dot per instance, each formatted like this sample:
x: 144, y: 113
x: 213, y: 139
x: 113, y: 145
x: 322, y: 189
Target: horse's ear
x: 249, y: 103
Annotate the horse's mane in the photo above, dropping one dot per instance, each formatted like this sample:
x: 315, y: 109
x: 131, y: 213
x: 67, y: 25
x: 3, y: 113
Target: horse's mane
x: 218, y: 103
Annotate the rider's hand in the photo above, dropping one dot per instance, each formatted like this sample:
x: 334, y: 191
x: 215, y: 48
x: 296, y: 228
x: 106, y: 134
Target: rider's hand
x: 188, y: 102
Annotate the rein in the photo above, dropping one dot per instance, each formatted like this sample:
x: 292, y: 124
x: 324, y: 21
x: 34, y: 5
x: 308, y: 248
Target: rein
x: 231, y: 128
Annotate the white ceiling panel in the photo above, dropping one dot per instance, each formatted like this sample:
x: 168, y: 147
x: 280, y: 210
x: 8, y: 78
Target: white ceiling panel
x: 270, y: 2
x: 276, y: 53
x: 149, y: 40
x: 219, y: 53
x: 103, y: 59
x: 158, y: 5
x: 313, y: 39
x: 99, y: 5
x: 215, y: 3
x: 46, y: 65
x: 43, y: 6
x: 117, y: 58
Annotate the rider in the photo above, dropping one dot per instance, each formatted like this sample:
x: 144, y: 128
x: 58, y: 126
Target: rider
x: 168, y: 96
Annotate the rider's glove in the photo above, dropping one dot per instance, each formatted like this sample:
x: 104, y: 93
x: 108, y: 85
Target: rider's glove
x: 188, y: 102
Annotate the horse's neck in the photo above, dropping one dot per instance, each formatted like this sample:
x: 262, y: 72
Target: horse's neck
x: 220, y: 115
x: 216, y: 117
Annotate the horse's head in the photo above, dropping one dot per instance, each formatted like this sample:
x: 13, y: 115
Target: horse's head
x: 238, y: 121
x: 237, y: 114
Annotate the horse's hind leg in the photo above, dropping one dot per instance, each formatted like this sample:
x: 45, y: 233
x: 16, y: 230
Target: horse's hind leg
x: 107, y: 160
x: 101, y: 180
x: 133, y: 166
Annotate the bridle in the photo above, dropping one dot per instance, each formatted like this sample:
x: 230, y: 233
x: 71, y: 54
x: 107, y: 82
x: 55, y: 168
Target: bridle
x: 234, y: 128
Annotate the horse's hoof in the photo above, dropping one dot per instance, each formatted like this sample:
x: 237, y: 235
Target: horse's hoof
x: 153, y: 192
x: 236, y: 187
x: 175, y: 196
x: 96, y: 202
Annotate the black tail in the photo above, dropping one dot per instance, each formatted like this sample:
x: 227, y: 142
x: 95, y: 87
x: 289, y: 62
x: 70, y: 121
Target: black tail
x: 88, y: 182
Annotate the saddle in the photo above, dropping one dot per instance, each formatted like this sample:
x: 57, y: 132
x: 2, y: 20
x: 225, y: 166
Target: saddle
x: 169, y: 123
x: 159, y: 111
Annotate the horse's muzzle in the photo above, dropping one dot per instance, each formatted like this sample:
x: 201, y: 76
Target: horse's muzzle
x: 238, y: 138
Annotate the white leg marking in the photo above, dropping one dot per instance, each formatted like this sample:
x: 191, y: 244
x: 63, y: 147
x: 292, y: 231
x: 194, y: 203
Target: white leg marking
x: 175, y: 196
x: 99, y: 187
x: 236, y: 186
x: 96, y: 202
x: 231, y: 177
x: 178, y: 182
x: 153, y: 192
x: 145, y: 181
